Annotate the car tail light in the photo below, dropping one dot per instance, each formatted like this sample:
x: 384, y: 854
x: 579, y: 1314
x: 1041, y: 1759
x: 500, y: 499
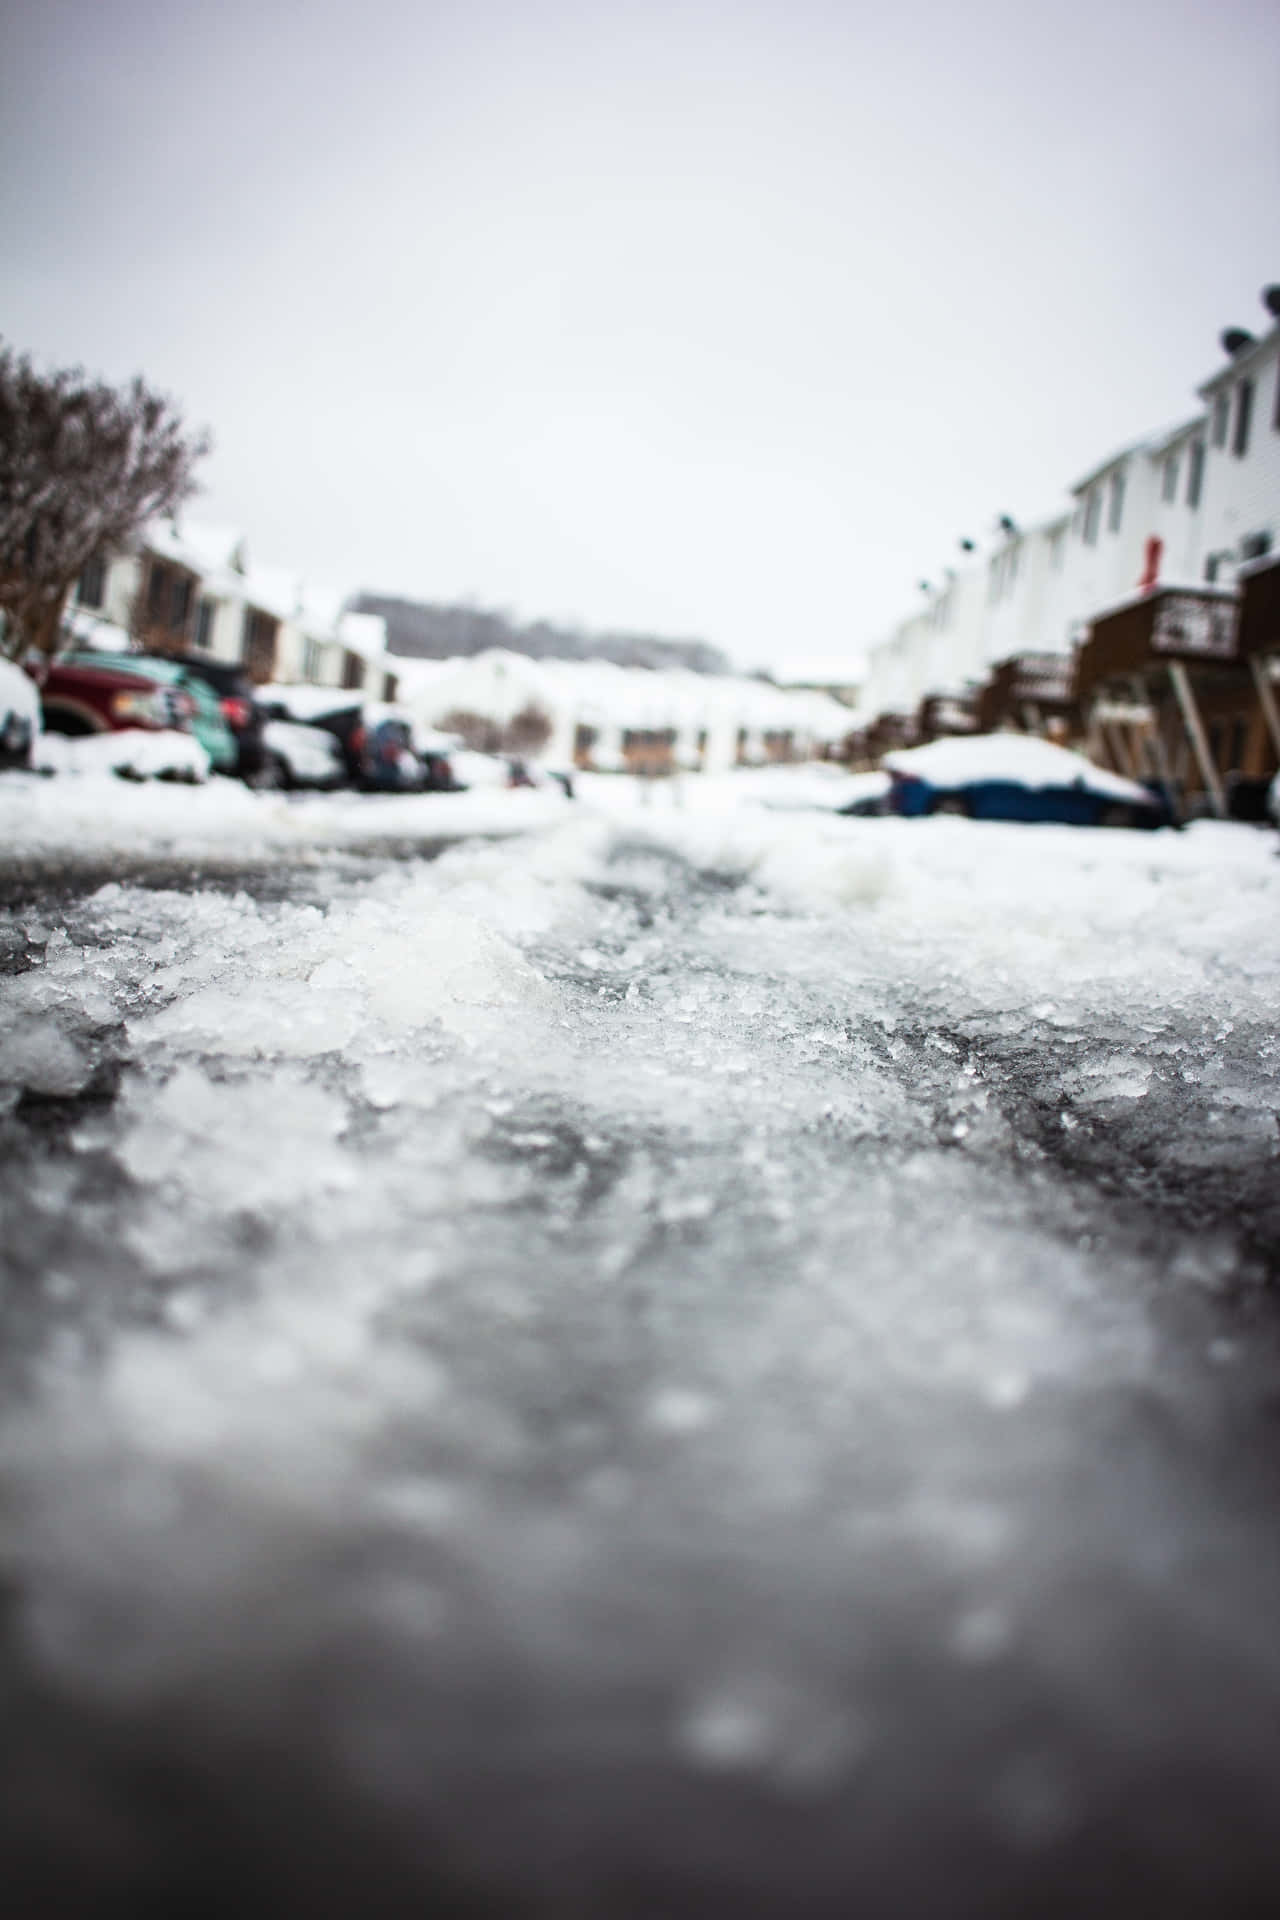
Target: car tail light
x: 357, y: 739
x: 237, y: 712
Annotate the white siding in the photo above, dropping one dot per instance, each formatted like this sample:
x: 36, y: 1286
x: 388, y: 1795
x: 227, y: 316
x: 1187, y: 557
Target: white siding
x: 1242, y: 493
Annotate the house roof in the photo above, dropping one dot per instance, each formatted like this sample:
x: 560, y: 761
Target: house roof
x: 1249, y: 357
x: 1113, y: 460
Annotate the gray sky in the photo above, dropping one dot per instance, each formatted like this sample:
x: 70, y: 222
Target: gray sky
x: 713, y: 318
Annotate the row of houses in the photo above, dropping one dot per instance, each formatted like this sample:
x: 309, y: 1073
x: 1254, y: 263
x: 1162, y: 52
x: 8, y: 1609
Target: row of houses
x: 1187, y: 517
x: 194, y: 588
x: 607, y: 718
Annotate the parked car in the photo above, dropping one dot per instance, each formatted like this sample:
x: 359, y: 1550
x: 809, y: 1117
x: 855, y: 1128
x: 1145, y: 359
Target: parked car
x: 97, y: 695
x: 295, y: 755
x: 388, y: 763
x: 236, y: 698
x: 436, y: 751
x: 188, y: 696
x: 19, y: 716
x: 532, y: 773
x: 1016, y: 776
x: 335, y: 712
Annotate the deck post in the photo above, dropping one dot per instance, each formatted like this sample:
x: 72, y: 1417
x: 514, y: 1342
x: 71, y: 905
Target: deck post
x: 1258, y: 665
x: 1195, y: 732
x: 1122, y: 748
x: 1153, y: 740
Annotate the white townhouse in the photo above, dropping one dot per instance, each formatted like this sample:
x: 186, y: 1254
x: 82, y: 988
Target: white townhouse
x: 1026, y: 600
x: 1192, y: 504
x: 1176, y: 506
x: 1240, y: 517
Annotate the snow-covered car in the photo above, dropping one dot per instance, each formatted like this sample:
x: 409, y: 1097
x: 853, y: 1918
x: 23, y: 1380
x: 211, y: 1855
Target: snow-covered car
x: 295, y: 755
x: 19, y: 716
x: 1016, y: 776
x: 509, y: 770
x: 375, y: 737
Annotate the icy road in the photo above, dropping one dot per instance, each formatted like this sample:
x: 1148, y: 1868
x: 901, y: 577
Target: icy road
x: 679, y: 1363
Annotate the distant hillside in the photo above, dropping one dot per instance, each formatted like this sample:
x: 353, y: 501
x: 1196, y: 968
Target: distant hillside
x: 421, y: 631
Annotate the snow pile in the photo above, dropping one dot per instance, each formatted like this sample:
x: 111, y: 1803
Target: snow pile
x: 101, y: 816
x: 136, y: 753
x: 19, y: 696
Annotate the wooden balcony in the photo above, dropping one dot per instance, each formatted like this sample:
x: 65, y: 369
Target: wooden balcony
x: 1176, y: 654
x: 1029, y: 691
x: 941, y: 715
x: 1191, y: 626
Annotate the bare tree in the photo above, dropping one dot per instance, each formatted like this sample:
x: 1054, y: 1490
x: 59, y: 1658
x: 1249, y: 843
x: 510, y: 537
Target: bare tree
x: 527, y: 731
x: 476, y: 730
x: 83, y: 467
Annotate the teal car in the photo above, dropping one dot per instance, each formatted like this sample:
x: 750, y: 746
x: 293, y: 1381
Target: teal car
x: 207, y: 723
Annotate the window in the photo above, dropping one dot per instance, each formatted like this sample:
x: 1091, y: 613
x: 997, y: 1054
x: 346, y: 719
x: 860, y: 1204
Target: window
x: 179, y: 603
x: 1195, y: 473
x: 204, y: 623
x: 1221, y: 413
x: 259, y: 644
x: 1256, y: 546
x: 157, y: 590
x: 311, y: 653
x: 352, y: 671
x: 1092, y: 516
x: 1169, y: 478
x: 92, y: 585
x: 1115, y: 508
x: 1244, y: 415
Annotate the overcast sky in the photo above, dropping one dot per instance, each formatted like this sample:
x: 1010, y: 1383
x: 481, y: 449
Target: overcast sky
x: 716, y: 318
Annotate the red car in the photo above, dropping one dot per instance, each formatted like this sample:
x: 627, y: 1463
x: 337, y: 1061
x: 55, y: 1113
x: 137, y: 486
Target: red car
x: 102, y: 699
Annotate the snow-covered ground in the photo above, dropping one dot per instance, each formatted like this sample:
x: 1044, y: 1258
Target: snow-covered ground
x: 700, y: 1347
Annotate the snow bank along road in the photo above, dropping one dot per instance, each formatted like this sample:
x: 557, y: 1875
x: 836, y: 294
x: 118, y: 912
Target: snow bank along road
x: 681, y: 1364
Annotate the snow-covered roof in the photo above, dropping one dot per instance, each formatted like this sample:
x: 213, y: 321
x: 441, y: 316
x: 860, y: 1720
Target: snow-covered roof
x: 204, y: 548
x: 1246, y: 358
x: 599, y: 693
x: 822, y: 670
x: 1174, y: 436
x: 1113, y: 460
x: 275, y: 590
x: 363, y: 633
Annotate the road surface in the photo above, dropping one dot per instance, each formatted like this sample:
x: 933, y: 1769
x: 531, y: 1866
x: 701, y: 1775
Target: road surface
x: 665, y: 1369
